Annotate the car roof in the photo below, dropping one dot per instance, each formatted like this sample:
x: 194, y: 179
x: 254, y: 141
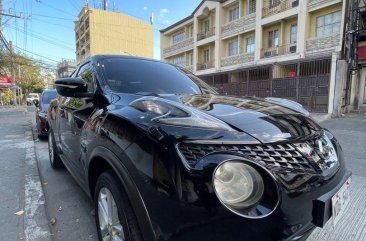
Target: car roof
x: 98, y: 57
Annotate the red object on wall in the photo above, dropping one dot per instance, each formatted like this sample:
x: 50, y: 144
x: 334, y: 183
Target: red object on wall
x: 362, y: 52
x: 5, y: 80
x: 291, y: 74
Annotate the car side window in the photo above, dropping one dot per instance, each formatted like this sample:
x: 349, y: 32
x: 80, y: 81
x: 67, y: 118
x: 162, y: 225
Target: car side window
x: 86, y: 74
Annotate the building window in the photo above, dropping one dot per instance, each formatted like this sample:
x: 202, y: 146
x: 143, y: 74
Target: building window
x: 251, y: 6
x: 206, y: 26
x: 233, y: 47
x: 191, y: 58
x: 273, y: 38
x: 191, y: 31
x: 250, y: 45
x: 180, y: 60
x: 206, y: 55
x: 328, y: 24
x: 179, y: 37
x: 234, y: 14
x: 293, y: 34
x: 274, y: 3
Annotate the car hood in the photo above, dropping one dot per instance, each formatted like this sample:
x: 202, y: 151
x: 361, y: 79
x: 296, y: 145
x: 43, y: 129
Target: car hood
x: 264, y: 120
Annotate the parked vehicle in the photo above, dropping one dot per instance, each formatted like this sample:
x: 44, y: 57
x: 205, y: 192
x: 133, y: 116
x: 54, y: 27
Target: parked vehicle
x: 31, y: 97
x: 164, y: 157
x: 41, y: 112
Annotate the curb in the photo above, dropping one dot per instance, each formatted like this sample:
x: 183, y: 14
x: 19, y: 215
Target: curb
x: 35, y: 219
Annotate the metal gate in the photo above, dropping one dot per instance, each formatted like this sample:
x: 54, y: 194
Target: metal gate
x: 308, y: 84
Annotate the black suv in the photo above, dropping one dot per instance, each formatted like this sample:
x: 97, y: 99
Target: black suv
x: 164, y: 157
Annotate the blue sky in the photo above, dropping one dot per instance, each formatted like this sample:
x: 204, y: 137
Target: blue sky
x: 46, y: 29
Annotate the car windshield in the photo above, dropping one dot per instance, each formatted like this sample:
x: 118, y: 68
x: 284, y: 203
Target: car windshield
x: 33, y: 96
x: 48, y: 96
x: 138, y: 76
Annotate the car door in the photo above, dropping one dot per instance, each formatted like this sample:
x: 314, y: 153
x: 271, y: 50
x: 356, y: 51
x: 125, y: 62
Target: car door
x: 76, y: 113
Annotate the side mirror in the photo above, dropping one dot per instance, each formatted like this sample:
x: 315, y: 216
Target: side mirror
x: 36, y: 103
x: 72, y: 87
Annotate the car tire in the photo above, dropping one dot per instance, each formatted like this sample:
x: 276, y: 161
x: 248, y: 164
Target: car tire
x: 55, y: 160
x: 110, y: 199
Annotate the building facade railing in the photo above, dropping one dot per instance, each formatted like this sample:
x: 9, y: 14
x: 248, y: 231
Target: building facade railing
x: 237, y: 59
x: 322, y: 43
x: 206, y: 34
x: 240, y: 25
x: 189, y: 68
x: 206, y: 65
x: 316, y: 3
x: 180, y: 47
x: 278, y: 6
x: 279, y: 50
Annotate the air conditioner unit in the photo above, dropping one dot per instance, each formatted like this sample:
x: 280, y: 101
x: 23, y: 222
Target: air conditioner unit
x: 293, y: 49
x: 295, y: 3
x: 268, y: 54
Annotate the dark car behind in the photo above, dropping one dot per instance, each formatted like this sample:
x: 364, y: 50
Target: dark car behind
x: 41, y: 112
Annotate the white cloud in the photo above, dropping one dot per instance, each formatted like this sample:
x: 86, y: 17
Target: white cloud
x: 162, y: 16
x: 145, y: 8
x: 164, y: 11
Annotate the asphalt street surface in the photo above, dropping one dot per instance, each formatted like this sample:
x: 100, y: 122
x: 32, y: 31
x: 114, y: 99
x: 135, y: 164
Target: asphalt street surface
x: 69, y: 210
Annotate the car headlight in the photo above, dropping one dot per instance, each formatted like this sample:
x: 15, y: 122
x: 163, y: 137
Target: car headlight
x: 173, y: 113
x: 237, y: 184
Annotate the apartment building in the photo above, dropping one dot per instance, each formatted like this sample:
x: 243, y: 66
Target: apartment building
x: 278, y: 48
x: 100, y: 31
x: 65, y: 68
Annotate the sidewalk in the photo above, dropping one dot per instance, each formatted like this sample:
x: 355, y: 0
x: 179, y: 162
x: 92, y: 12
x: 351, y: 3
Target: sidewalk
x: 22, y: 209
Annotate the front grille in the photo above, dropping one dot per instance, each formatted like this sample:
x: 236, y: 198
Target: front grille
x: 272, y: 156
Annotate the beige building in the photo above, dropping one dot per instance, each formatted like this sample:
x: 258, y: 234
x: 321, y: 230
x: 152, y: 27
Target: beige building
x: 287, y: 48
x: 105, y: 32
x: 65, y: 68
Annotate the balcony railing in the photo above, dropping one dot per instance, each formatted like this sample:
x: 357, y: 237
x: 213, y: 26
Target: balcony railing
x: 238, y: 26
x: 206, y: 65
x: 320, y: 44
x: 180, y: 47
x: 279, y: 50
x: 207, y: 34
x: 242, y: 58
x: 279, y: 7
x: 189, y: 68
x: 316, y: 3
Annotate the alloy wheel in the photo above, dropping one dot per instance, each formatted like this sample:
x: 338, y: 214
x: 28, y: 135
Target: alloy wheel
x: 109, y: 223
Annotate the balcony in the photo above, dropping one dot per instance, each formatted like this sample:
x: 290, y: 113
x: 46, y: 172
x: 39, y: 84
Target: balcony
x: 279, y: 7
x: 177, y: 48
x: 189, y: 68
x: 317, y: 3
x: 242, y: 58
x: 207, y: 34
x: 321, y: 44
x: 279, y: 50
x: 206, y: 65
x: 238, y: 26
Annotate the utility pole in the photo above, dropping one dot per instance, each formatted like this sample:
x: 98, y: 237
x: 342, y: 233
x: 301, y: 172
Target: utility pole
x: 10, y: 49
x: 13, y: 75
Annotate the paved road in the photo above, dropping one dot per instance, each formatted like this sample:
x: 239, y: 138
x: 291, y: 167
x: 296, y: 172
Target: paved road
x: 351, y: 133
x: 75, y: 221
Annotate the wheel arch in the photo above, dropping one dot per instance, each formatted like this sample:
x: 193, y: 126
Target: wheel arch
x: 101, y: 160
